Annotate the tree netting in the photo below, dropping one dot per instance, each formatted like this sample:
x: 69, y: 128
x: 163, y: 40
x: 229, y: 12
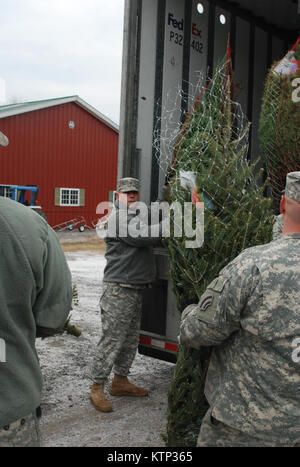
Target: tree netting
x: 279, y: 121
x: 205, y: 160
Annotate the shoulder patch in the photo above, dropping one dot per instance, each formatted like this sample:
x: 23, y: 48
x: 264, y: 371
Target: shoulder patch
x: 208, y: 311
x: 208, y: 300
x: 217, y: 285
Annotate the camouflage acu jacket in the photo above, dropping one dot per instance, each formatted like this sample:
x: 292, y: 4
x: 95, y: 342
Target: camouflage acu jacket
x: 278, y: 226
x: 251, y: 315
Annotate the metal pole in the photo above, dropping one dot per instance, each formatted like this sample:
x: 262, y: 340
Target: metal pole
x: 126, y: 152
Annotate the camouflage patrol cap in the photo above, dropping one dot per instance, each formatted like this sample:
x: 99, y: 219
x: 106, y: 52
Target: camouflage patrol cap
x: 128, y: 184
x: 292, y: 187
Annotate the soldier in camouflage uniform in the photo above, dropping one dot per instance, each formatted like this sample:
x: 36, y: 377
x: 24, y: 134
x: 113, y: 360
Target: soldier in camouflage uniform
x: 277, y: 227
x: 130, y: 268
x: 250, y: 315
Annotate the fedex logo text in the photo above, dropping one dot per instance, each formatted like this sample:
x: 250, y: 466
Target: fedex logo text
x: 172, y: 21
x: 195, y: 31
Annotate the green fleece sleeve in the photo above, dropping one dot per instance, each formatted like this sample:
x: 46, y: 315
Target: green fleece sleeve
x: 54, y: 299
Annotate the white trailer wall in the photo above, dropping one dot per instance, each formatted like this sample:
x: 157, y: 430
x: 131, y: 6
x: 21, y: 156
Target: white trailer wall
x: 177, y: 45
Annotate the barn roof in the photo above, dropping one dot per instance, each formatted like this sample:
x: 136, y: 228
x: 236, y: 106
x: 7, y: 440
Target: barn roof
x: 16, y: 109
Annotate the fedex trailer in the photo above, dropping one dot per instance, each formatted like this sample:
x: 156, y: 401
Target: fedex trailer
x: 168, y: 45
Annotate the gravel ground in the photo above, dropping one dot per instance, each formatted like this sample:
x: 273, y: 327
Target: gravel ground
x: 69, y: 419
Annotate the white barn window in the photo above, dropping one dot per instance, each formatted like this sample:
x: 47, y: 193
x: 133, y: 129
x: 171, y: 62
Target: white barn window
x: 69, y: 197
x: 6, y: 192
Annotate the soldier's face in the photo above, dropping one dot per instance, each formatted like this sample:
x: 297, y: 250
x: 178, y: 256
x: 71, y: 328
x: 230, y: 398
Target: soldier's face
x: 128, y: 198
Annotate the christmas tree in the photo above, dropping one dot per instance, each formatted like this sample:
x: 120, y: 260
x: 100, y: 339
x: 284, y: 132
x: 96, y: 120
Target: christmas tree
x: 211, y: 151
x: 279, y: 121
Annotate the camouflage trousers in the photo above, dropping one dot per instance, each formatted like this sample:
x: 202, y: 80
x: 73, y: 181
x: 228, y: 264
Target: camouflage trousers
x: 121, y: 309
x: 214, y: 433
x: 21, y: 433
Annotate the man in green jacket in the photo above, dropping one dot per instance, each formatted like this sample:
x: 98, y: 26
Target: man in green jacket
x: 130, y: 268
x: 35, y: 300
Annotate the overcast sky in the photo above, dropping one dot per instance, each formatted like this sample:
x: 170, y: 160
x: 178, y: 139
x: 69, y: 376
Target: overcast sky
x: 61, y: 48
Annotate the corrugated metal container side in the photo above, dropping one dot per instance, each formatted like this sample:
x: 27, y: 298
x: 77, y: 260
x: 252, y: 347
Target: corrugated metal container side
x: 45, y: 151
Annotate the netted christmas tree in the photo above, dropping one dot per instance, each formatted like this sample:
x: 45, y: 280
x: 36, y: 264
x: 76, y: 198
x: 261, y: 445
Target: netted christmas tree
x: 279, y: 121
x: 211, y: 153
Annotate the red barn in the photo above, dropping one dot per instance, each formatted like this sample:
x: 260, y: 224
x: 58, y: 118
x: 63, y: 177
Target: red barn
x: 65, y: 147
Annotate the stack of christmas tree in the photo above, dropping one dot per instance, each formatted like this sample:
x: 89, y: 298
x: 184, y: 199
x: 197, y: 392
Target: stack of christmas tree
x: 279, y: 121
x: 211, y: 151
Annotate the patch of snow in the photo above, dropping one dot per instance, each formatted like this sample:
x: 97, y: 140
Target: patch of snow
x: 69, y: 418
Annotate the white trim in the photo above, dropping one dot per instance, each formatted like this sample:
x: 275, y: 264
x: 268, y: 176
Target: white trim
x: 7, y: 192
x: 148, y: 341
x: 97, y: 114
x: 17, y: 109
x: 69, y: 204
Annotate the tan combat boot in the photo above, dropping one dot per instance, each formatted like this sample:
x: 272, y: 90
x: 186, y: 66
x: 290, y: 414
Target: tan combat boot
x: 122, y: 387
x: 99, y: 399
